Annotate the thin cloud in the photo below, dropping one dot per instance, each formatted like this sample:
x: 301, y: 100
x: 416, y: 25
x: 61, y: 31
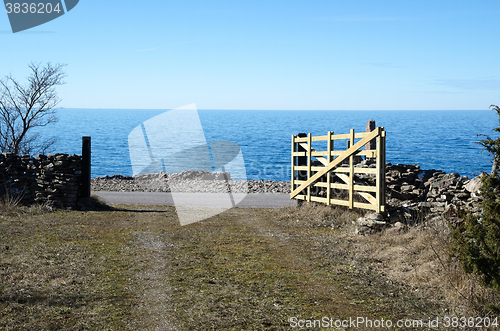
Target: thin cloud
x: 331, y: 18
x: 470, y: 84
x: 383, y: 65
x: 155, y: 48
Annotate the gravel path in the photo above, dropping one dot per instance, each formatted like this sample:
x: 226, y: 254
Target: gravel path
x: 197, y: 200
x: 153, y: 292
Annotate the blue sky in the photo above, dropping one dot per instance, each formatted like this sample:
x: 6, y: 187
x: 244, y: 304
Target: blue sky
x: 324, y: 55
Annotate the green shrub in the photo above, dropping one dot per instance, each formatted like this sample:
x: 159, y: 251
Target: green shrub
x: 476, y: 242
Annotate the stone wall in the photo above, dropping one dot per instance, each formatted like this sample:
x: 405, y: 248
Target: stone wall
x: 429, y: 193
x: 415, y: 196
x: 53, y: 179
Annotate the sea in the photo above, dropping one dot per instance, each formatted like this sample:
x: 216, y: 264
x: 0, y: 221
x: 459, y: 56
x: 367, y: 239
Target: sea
x: 442, y: 140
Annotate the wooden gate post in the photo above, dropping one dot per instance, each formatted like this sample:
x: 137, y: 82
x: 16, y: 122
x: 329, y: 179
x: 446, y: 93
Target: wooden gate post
x: 380, y: 177
x: 370, y: 126
x: 86, y: 164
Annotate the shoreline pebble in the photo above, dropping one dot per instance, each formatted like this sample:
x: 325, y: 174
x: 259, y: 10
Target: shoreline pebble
x: 187, y: 181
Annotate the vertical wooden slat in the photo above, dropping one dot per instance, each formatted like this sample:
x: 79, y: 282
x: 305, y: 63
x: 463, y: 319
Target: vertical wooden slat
x: 351, y: 173
x: 309, y: 141
x: 332, y: 157
x: 301, y: 161
x: 378, y: 179
x: 333, y: 145
x: 329, y: 174
x: 292, y: 183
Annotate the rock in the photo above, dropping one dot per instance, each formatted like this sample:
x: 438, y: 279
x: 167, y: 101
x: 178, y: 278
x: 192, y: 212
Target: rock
x: 395, y: 194
x: 445, y: 181
x: 433, y: 193
x: 474, y: 185
x: 425, y: 204
x: 369, y: 225
x: 374, y: 217
x: 362, y: 221
x: 409, y: 177
x: 450, y: 212
x: 407, y: 188
x: 409, y: 195
x: 462, y: 195
x: 398, y: 227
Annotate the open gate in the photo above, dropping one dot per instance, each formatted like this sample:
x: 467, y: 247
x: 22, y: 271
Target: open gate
x: 335, y: 171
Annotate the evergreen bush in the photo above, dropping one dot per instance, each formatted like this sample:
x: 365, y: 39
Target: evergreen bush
x: 476, y: 241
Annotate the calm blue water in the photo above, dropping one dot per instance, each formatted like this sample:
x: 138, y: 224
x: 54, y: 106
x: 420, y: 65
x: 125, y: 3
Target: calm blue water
x: 443, y: 140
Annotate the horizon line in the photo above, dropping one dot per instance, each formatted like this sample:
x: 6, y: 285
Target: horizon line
x: 250, y: 109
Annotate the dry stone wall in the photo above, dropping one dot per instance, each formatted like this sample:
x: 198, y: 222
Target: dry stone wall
x: 415, y: 196
x: 53, y: 179
x: 433, y: 192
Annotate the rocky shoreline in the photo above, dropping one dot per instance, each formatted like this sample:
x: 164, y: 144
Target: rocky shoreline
x: 187, y: 181
x: 413, y: 195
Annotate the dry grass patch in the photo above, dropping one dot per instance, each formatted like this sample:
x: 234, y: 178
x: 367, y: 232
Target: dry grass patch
x: 421, y: 258
x: 355, y: 260
x: 416, y: 261
x: 10, y: 205
x: 135, y: 267
x: 67, y: 270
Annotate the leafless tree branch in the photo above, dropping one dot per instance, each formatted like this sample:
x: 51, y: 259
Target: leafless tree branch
x: 25, y: 107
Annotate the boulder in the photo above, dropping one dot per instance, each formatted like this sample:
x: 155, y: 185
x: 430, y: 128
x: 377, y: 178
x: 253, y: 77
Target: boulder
x: 474, y: 186
x: 445, y: 181
x: 371, y: 223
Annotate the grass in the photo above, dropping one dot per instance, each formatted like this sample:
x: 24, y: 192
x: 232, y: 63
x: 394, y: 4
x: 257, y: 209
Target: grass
x: 136, y: 268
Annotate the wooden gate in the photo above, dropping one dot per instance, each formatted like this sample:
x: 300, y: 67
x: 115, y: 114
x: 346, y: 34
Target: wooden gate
x: 337, y: 169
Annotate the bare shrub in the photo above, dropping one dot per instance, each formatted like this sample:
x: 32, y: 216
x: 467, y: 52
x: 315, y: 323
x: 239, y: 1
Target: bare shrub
x: 11, y: 204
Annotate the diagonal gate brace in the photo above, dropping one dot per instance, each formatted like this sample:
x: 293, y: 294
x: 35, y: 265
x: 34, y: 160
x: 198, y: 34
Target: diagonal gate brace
x: 337, y: 160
